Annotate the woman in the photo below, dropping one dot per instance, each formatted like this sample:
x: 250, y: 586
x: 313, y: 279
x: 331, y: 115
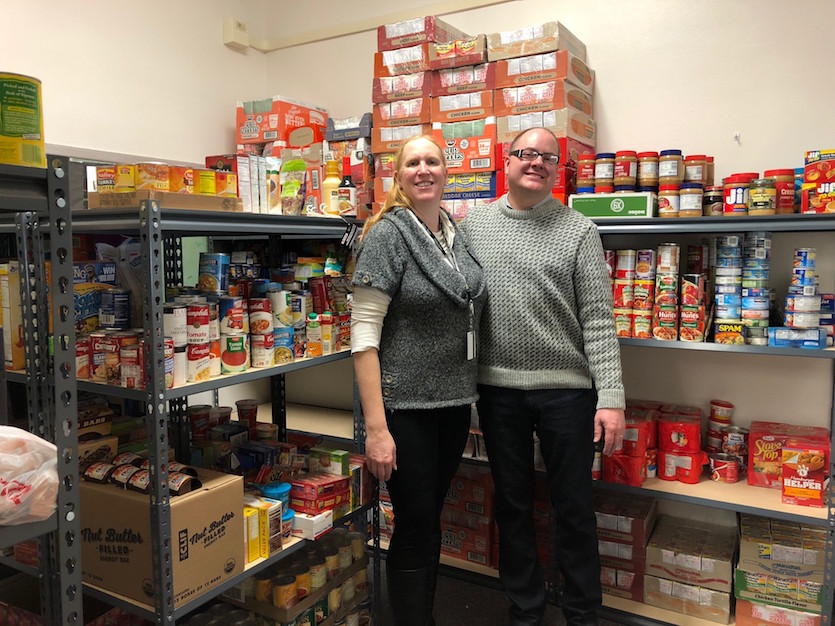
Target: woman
x: 418, y: 296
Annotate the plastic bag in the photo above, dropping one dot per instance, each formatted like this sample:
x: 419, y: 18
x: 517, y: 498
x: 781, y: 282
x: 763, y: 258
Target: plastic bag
x: 28, y: 477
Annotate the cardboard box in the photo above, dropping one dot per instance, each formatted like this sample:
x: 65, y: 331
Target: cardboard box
x: 270, y: 537
x: 402, y: 112
x: 349, y: 128
x: 329, y: 461
x: 613, y: 206
x: 463, y: 106
x: 470, y: 496
x: 207, y: 533
x: 12, y: 315
x: 554, y: 94
x: 760, y: 614
x: 469, y: 154
x: 792, y: 593
x: 458, y: 53
x: 471, y: 186
x: 780, y: 548
x: 95, y: 450
x: 401, y: 87
x: 540, y: 68
x: 314, y: 505
x: 466, y: 544
x: 692, y: 552
x: 239, y: 164
x: 166, y: 199
x: 318, y: 484
x: 534, y: 40
x: 561, y: 122
x: 463, y: 79
x: 271, y: 119
x: 622, y: 553
x: 418, y: 30
x: 388, y: 139
x: 362, y: 486
x: 622, y: 584
x: 626, y: 520
x: 311, y: 527
x: 402, y: 61
x: 765, y: 443
x: 707, y: 604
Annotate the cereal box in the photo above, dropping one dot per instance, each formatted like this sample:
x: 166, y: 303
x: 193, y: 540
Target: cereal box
x: 804, y: 474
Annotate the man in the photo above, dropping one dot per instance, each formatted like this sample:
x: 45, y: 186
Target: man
x: 549, y: 363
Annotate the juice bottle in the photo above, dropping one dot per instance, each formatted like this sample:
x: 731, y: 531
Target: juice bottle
x: 330, y: 186
x: 326, y: 322
x: 314, y: 336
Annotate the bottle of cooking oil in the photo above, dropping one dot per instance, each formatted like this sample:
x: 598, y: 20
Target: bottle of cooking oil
x: 330, y: 186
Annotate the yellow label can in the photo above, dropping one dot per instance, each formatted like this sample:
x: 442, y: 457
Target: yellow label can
x: 21, y: 121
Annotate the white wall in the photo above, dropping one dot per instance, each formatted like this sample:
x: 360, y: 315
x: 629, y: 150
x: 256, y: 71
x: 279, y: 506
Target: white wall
x: 150, y: 79
x: 670, y: 73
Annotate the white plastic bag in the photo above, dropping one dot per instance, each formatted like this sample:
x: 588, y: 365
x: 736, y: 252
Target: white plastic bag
x: 28, y: 477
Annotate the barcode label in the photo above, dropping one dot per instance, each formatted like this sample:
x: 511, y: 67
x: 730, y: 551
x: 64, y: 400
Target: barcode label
x: 480, y: 164
x: 31, y: 154
x: 270, y: 135
x: 235, y: 593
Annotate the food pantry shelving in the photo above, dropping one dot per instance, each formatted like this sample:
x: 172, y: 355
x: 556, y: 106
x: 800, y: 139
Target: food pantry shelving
x: 160, y: 231
x: 38, y: 201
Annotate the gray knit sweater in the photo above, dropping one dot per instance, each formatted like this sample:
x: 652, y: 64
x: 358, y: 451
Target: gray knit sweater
x: 423, y: 347
x: 548, y: 322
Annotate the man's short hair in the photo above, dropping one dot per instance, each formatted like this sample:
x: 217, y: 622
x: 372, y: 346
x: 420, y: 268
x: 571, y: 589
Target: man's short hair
x: 515, y: 141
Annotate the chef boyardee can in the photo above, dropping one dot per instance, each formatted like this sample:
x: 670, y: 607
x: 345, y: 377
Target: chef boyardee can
x: 115, y: 309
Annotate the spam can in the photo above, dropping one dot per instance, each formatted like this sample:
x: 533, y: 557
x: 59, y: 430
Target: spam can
x: 21, y: 121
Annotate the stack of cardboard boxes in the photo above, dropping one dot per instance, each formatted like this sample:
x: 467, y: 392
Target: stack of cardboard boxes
x: 467, y: 516
x: 624, y: 526
x: 689, y: 568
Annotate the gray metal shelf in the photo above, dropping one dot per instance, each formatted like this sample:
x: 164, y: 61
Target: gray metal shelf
x: 828, y: 353
x: 10, y: 535
x: 23, y: 189
x: 666, y: 226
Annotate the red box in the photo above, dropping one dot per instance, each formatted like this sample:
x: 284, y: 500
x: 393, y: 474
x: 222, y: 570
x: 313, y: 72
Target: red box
x: 402, y: 87
x: 314, y: 485
x: 760, y: 614
x: 470, y: 497
x: 419, y: 30
x: 765, y: 443
x: 402, y: 61
x: 540, y: 68
x: 463, y: 106
x: 261, y: 121
x: 467, y: 544
x: 317, y: 504
x: 402, y: 112
x: 464, y: 79
x: 388, y: 139
x: 805, y: 468
x: 384, y: 164
x: 469, y: 154
x: 458, y: 53
x: 555, y: 94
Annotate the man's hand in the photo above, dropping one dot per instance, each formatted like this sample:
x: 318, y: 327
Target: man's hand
x: 380, y: 454
x: 613, y: 422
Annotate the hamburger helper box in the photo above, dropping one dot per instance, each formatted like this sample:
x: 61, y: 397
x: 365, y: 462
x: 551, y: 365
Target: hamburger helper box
x: 540, y: 68
x: 457, y: 53
x: 271, y: 119
x: 415, y: 31
x: 467, y: 153
x: 555, y: 94
x: 534, y: 40
x: 562, y: 122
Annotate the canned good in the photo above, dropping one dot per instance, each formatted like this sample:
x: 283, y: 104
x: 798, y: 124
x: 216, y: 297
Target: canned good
x: 800, y: 303
x: 175, y: 322
x: 260, y: 316
x: 114, y: 342
x: 623, y: 294
x: 721, y: 410
x: 642, y: 323
x: 215, y: 354
x: 132, y: 367
x: 805, y: 258
x: 234, y: 353
x: 197, y: 319
x: 168, y: 354
x: 668, y: 258
x: 82, y: 358
x: 652, y: 463
x: 213, y: 275
x: 114, y: 311
x: 214, y: 322
x: 262, y: 351
x: 645, y: 264
x: 625, y: 262
x: 21, y: 136
x: 802, y: 276
x: 724, y: 468
x: 230, y: 315
x: 735, y: 442
x: 643, y: 294
x: 198, y: 357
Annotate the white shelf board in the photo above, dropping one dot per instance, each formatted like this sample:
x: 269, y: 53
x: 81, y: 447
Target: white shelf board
x: 335, y: 423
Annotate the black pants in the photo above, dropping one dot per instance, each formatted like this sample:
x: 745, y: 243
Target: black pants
x: 429, y: 447
x: 564, y: 421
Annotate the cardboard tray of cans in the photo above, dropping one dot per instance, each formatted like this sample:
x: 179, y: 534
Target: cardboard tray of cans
x: 167, y: 199
x: 285, y: 615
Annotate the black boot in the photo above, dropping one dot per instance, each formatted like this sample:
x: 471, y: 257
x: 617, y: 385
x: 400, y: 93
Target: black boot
x: 433, y: 576
x: 408, y: 594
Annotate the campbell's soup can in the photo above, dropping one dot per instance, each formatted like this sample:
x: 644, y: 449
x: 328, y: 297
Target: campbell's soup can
x: 234, y: 353
x: 198, y: 356
x: 214, y: 358
x: 132, y: 367
x: 262, y: 353
x: 625, y: 264
x: 168, y: 353
x: 82, y: 358
x: 260, y: 316
x: 645, y: 264
x: 724, y: 468
x: 197, y: 318
x: 230, y: 313
x: 214, y: 322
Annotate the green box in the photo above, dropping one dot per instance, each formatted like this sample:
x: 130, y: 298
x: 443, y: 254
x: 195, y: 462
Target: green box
x: 791, y: 593
x: 615, y: 205
x: 330, y: 461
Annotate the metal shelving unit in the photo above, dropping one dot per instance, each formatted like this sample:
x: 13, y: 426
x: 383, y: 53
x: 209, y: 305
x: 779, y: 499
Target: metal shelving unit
x: 161, y: 230
x: 39, y: 202
x: 739, y: 497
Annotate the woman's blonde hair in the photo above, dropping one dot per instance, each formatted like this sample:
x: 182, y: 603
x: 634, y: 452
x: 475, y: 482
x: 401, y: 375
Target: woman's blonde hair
x: 396, y: 196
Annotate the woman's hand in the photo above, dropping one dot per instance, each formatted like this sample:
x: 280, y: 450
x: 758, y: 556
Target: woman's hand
x: 380, y: 454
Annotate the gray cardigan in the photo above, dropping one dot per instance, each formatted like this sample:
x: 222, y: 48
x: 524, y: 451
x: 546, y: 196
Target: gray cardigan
x: 423, y: 348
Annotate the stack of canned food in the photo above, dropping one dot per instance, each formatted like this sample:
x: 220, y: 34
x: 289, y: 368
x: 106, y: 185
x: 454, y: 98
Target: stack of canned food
x: 756, y: 294
x: 726, y: 445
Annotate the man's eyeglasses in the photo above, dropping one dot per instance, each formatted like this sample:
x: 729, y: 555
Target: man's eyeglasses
x: 529, y: 154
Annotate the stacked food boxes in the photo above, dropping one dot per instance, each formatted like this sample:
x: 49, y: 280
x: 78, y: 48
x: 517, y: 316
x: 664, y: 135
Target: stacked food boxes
x: 351, y: 137
x: 689, y: 568
x: 779, y: 578
x: 279, y: 140
x: 401, y: 90
x: 542, y: 80
x: 624, y: 525
x: 467, y: 516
